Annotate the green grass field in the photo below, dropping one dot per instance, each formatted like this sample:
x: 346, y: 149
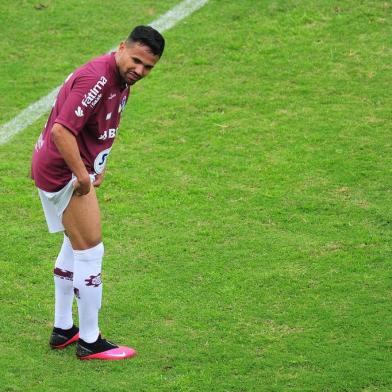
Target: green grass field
x: 246, y: 207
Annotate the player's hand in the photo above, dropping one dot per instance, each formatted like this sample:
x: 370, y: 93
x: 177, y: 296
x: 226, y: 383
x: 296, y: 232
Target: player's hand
x: 82, y: 186
x: 98, y: 179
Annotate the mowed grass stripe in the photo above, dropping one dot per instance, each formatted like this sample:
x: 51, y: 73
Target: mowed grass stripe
x: 245, y: 211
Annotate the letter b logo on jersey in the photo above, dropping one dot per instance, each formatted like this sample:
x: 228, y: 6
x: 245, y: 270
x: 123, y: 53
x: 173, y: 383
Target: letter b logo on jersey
x: 100, y: 161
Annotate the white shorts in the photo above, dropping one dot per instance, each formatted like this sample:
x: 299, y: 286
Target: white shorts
x: 54, y: 204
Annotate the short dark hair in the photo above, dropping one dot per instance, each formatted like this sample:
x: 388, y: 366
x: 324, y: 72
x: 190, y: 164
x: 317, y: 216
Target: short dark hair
x: 148, y: 36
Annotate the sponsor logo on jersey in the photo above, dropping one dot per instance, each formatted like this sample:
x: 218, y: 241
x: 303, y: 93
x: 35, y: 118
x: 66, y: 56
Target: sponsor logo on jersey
x: 100, y: 161
x: 108, y: 134
x: 79, y: 112
x: 111, y: 96
x: 109, y: 116
x: 94, y: 95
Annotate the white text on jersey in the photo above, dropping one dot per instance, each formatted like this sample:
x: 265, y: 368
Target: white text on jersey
x: 109, y: 134
x: 94, y: 95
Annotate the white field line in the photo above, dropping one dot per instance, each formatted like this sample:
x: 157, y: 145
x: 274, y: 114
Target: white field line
x: 33, y: 112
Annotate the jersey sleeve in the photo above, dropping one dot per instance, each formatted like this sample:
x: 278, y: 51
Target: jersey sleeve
x: 83, y: 97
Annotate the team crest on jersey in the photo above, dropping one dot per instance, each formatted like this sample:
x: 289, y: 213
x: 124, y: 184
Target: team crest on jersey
x: 100, y: 161
x: 122, y: 105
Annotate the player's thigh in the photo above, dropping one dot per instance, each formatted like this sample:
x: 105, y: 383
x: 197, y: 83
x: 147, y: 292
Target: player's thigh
x: 82, y: 221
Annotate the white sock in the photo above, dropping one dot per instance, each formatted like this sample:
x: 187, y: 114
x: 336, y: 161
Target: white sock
x: 88, y: 290
x: 63, y: 283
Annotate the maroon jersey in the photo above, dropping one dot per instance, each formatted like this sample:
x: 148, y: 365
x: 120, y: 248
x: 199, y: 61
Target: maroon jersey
x: 89, y: 104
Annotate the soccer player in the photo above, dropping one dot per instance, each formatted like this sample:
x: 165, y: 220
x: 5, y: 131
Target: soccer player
x: 68, y: 163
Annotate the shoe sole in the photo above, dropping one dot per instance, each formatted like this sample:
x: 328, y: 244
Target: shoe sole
x: 74, y: 339
x: 115, y: 354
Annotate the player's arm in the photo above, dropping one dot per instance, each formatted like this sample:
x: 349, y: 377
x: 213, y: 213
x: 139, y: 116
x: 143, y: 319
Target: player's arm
x: 66, y: 144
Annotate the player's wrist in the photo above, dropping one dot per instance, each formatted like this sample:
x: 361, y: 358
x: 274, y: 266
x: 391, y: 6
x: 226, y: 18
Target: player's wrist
x: 83, y: 178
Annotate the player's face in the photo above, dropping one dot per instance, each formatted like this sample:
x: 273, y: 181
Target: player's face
x: 135, y: 61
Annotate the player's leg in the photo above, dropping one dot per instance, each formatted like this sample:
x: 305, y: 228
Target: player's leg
x: 64, y: 331
x: 81, y: 220
x: 82, y: 223
x: 63, y: 280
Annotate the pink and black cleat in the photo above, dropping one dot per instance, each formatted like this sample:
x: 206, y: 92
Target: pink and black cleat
x: 103, y: 349
x: 62, y: 338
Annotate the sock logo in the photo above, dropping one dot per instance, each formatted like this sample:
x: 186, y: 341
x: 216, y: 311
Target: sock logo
x: 63, y: 274
x: 94, y: 280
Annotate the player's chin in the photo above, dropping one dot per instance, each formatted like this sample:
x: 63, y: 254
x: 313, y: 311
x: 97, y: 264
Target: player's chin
x: 132, y: 81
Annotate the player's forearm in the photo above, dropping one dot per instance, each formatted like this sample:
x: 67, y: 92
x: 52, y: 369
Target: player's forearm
x: 66, y: 144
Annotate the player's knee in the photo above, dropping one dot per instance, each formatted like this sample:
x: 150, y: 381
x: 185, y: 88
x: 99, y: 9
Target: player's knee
x: 84, y: 243
x: 92, y: 242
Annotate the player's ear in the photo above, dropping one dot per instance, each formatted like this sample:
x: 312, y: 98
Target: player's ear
x: 121, y: 47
